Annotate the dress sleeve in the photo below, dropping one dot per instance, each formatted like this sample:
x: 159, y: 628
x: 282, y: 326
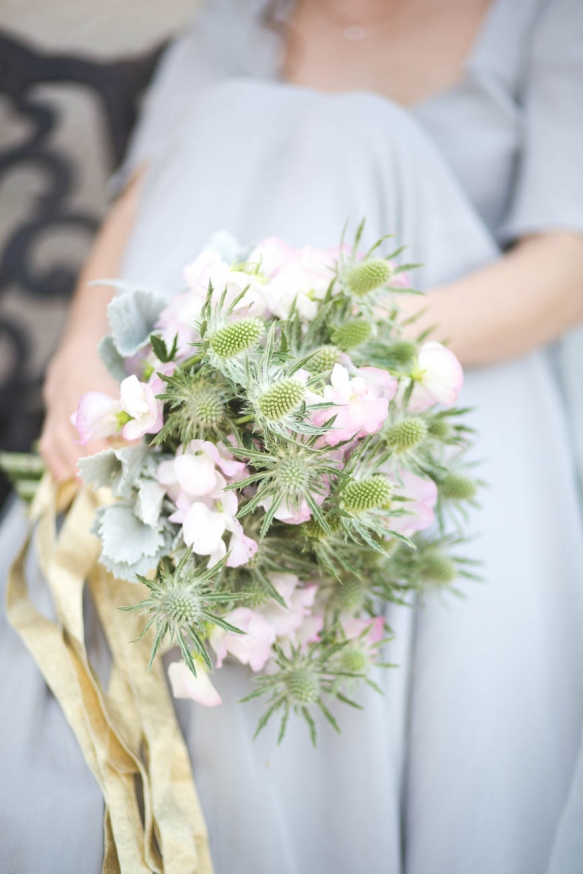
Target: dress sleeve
x: 177, y: 73
x: 549, y: 189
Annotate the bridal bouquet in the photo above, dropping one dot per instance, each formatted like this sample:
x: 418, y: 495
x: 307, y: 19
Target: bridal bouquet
x: 278, y: 450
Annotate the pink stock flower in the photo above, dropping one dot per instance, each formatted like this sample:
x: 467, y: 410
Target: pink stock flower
x: 422, y: 493
x: 252, y: 648
x: 96, y: 417
x: 355, y: 629
x: 302, y: 277
x: 210, y: 267
x: 439, y: 380
x: 186, y: 685
x: 178, y: 320
x: 138, y: 400
x: 299, y: 602
x: 359, y: 407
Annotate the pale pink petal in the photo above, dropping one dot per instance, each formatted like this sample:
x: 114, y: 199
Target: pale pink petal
x: 384, y: 385
x: 186, y: 685
x: 441, y: 378
x: 96, y: 417
x: 203, y: 529
x: 241, y: 548
x: 252, y: 648
x: 195, y: 473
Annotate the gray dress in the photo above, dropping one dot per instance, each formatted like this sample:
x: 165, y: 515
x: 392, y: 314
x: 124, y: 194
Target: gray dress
x: 472, y: 760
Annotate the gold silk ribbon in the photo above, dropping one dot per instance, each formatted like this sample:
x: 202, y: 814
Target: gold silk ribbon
x: 128, y: 733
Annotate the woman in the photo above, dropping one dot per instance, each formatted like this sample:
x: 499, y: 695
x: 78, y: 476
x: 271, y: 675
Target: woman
x: 457, y: 126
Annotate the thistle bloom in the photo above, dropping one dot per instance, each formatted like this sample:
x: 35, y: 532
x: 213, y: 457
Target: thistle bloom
x: 358, y: 405
x: 438, y: 380
x: 185, y: 685
x: 252, y: 648
x: 96, y: 417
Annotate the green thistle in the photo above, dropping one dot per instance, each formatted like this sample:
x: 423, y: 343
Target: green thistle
x: 439, y: 428
x: 407, y: 434
x: 179, y: 606
x: 281, y: 399
x: 287, y: 472
x: 303, y: 681
x: 352, y: 334
x: 197, y: 406
x: 323, y: 359
x: 402, y: 354
x: 367, y: 494
x: 237, y: 337
x: 455, y: 487
x: 436, y: 567
x: 371, y: 274
x: 350, y: 595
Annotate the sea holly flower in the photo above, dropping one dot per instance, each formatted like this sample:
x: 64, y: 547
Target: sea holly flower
x: 253, y: 647
x: 186, y: 685
x: 438, y: 378
x: 97, y: 417
x: 358, y: 408
x: 138, y: 400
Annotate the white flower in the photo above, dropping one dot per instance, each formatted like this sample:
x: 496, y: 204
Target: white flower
x: 186, y: 685
x: 439, y: 378
x: 138, y: 400
x: 209, y: 267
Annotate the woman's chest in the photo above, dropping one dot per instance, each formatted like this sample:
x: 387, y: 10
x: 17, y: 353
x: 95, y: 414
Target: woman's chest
x: 405, y: 51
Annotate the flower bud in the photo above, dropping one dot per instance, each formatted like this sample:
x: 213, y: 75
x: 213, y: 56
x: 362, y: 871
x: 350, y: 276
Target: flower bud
x: 206, y: 407
x: 435, y: 567
x: 367, y: 494
x: 402, y: 353
x: 303, y: 685
x: 368, y: 275
x: 456, y: 487
x: 282, y: 398
x: 237, y: 337
x: 354, y: 660
x: 352, y: 334
x: 323, y: 359
x: 407, y: 434
x: 350, y: 595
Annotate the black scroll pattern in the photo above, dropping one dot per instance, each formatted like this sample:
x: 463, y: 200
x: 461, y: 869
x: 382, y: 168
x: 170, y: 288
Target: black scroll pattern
x: 118, y: 85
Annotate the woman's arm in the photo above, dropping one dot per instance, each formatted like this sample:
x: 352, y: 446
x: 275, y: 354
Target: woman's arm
x: 76, y: 367
x: 523, y: 300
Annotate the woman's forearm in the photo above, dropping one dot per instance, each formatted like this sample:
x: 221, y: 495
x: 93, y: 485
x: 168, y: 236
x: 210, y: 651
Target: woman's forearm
x: 524, y: 300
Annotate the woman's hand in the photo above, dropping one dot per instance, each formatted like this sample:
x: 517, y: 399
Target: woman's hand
x: 74, y: 370
x: 76, y: 367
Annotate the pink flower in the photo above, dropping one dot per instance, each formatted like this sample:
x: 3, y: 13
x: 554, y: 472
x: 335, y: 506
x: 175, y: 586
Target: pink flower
x: 439, y: 379
x: 178, y: 320
x: 422, y: 493
x: 210, y: 267
x: 358, y: 408
x: 138, y: 400
x: 96, y: 417
x: 299, y: 602
x: 303, y: 278
x: 186, y: 685
x: 252, y: 648
x: 370, y: 631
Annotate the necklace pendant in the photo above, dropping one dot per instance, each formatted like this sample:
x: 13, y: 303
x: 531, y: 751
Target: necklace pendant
x: 354, y: 33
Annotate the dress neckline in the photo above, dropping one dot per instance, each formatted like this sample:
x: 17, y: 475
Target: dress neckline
x: 473, y: 58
